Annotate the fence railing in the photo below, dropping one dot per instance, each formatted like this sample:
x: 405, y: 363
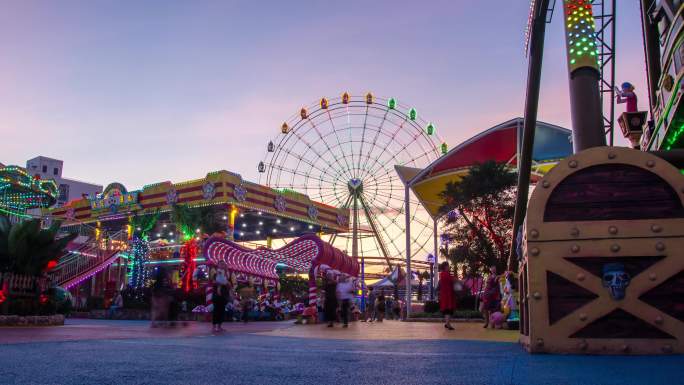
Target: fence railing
x: 22, y: 284
x: 92, y: 257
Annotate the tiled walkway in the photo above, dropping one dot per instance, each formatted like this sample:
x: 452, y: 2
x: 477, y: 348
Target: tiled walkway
x: 129, y: 352
x: 395, y: 330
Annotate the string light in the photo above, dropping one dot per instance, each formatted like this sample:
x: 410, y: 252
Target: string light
x: 580, y: 34
x: 140, y: 250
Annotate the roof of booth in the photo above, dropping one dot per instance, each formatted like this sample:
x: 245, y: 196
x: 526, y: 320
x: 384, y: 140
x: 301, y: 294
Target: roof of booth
x: 500, y: 143
x: 282, y: 207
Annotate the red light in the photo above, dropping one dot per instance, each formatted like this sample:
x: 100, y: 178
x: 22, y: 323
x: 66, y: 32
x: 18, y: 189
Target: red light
x: 51, y: 265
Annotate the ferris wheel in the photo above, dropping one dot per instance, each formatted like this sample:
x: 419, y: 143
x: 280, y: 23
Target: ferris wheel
x: 342, y: 152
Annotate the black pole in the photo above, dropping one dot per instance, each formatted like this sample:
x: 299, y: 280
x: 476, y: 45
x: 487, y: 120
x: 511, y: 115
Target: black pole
x: 586, y: 109
x: 534, y: 69
x: 651, y: 52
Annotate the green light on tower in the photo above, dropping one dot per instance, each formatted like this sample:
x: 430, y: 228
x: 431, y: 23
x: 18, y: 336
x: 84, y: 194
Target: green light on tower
x: 413, y: 114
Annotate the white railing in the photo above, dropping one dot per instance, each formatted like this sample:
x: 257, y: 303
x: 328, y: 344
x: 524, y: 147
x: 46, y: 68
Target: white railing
x: 88, y: 258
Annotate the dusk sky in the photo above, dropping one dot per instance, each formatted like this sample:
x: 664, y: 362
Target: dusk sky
x: 142, y: 92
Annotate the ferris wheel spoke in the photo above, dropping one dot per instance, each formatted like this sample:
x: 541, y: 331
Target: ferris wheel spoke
x: 295, y: 172
x: 399, y: 128
x: 310, y: 147
x: 334, y: 129
x: 394, y: 156
x: 307, y: 175
x: 321, y: 138
x: 388, y: 196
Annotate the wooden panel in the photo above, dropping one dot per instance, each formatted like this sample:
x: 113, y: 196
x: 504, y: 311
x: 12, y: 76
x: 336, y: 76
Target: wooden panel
x: 620, y: 324
x: 668, y: 297
x: 612, y: 192
x: 565, y: 297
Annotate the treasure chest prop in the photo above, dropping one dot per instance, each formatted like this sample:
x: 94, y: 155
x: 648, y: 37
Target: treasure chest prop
x: 603, y: 263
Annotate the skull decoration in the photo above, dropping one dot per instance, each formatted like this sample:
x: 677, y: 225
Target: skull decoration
x: 616, y: 279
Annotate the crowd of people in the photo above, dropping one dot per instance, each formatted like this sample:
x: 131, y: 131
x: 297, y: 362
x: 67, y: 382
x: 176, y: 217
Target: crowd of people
x: 244, y: 304
x: 494, y: 297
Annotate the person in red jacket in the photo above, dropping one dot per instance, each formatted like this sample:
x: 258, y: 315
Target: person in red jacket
x: 447, y: 299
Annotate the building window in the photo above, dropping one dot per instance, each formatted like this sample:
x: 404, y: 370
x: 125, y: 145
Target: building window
x: 44, y: 168
x: 63, y: 193
x: 55, y: 171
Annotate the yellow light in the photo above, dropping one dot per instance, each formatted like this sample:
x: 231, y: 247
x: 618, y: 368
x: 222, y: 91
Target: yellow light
x: 233, y: 214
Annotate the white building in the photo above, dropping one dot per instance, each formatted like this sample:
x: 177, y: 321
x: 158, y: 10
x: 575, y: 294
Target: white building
x: 69, y: 189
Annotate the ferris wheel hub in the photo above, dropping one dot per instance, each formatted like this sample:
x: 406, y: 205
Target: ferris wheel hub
x: 355, y: 186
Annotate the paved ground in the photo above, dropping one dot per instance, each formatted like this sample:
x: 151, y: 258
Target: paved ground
x: 130, y: 352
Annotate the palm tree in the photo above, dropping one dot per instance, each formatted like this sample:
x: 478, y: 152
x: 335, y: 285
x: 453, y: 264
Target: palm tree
x: 25, y: 248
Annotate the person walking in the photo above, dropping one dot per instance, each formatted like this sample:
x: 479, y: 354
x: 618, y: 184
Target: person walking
x: 247, y: 296
x: 370, y: 305
x: 380, y: 307
x: 447, y: 299
x: 219, y: 299
x: 330, y: 305
x: 491, y: 300
x: 345, y: 293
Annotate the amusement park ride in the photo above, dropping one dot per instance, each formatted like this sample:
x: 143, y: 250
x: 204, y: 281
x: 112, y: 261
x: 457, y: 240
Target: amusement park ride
x: 602, y: 270
x: 343, y: 151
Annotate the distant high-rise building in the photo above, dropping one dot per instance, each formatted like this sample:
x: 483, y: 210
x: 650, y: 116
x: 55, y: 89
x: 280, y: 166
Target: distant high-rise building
x: 49, y: 168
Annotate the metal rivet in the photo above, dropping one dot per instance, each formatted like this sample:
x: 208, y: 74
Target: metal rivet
x: 540, y: 342
x: 583, y: 345
x: 574, y: 248
x: 656, y: 228
x: 659, y: 320
x: 582, y: 317
x: 611, y: 155
x: 613, y: 230
x: 580, y: 276
x: 572, y: 163
x: 652, y: 276
x: 546, y: 184
x: 534, y: 251
x: 667, y: 348
x: 660, y: 246
x: 650, y: 163
x: 624, y: 348
x: 615, y: 248
x: 536, y: 295
x: 534, y: 233
x: 574, y: 231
